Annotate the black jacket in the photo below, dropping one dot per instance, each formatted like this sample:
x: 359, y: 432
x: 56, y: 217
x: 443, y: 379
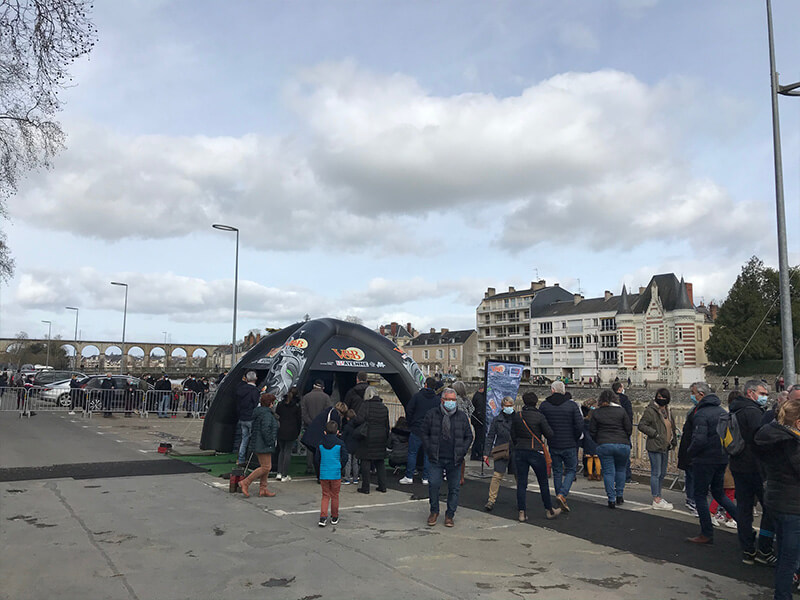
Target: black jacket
x: 163, y: 385
x: 431, y: 433
x: 625, y: 403
x: 684, y: 462
x: 538, y: 425
x: 706, y: 447
x: 312, y: 437
x: 376, y: 415
x: 247, y: 397
x: 290, y: 420
x: 748, y: 415
x: 610, y: 425
x: 778, y: 449
x: 478, y: 417
x: 499, y: 431
x: 398, y: 445
x: 419, y: 405
x: 355, y: 395
x: 564, y: 417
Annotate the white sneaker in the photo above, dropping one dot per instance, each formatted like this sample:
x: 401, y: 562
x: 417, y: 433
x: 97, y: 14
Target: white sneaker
x: 731, y: 524
x: 278, y: 477
x: 72, y: 412
x: 406, y: 481
x: 287, y: 478
x: 662, y: 505
x: 424, y: 482
x: 715, y: 521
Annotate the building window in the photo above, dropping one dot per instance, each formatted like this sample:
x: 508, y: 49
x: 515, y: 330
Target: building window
x: 440, y: 353
x: 575, y: 342
x: 558, y: 340
x: 594, y: 322
x: 426, y: 354
x: 656, y: 358
x: 545, y: 328
x: 699, y: 334
x: 654, y: 334
x: 546, y: 343
x: 639, y: 337
x: 608, y: 324
x: 680, y: 333
x: 453, y: 352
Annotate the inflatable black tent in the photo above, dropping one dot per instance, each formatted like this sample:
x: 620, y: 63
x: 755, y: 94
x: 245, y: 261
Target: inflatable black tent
x: 327, y: 349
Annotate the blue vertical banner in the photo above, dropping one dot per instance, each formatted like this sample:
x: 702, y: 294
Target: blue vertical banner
x: 502, y: 379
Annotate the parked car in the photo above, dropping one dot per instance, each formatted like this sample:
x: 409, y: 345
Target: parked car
x: 47, y: 377
x: 56, y: 392
x: 91, y: 386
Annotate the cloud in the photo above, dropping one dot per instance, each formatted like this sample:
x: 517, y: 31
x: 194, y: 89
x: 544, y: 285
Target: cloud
x: 578, y: 36
x: 594, y: 155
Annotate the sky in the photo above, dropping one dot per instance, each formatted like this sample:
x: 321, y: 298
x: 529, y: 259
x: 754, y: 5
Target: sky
x: 392, y: 160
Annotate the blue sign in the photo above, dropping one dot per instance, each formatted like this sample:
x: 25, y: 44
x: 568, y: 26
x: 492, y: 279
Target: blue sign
x: 502, y: 379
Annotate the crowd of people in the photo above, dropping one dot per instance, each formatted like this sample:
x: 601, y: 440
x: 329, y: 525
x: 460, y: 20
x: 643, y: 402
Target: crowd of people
x: 348, y: 441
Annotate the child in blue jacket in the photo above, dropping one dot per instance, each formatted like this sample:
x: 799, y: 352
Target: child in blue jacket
x: 329, y: 456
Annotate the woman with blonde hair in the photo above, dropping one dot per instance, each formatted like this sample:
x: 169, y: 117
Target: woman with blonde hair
x: 263, y: 439
x: 778, y: 446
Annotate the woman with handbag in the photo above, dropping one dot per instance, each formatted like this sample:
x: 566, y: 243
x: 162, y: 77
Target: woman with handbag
x: 610, y: 426
x: 499, y: 440
x: 527, y: 428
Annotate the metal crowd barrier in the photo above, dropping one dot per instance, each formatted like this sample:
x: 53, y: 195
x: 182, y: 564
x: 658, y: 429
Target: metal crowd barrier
x: 29, y: 400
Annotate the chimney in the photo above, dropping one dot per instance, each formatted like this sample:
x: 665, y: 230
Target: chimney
x: 444, y: 330
x: 511, y: 289
x: 608, y: 294
x: 556, y: 285
x: 383, y: 330
x: 394, y: 328
x: 490, y: 292
x: 641, y: 290
x: 538, y: 285
x: 689, y: 291
x: 712, y: 311
x: 433, y: 330
x: 576, y: 298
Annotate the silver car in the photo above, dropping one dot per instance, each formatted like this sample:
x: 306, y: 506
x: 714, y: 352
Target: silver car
x: 56, y: 392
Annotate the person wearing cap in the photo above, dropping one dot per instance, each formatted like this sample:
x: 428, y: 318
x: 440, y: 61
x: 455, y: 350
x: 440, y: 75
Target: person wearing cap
x: 312, y: 404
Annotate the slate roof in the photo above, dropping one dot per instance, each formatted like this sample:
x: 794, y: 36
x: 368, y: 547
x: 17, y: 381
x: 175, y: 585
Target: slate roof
x: 518, y: 293
x: 673, y: 295
x: 401, y: 330
x: 451, y: 337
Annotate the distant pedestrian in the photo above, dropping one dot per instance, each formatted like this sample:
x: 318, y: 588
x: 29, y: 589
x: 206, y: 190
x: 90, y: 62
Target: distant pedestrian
x: 566, y: 421
x: 420, y: 404
x: 247, y: 398
x: 312, y: 436
x: 311, y: 405
x: 290, y: 423
x: 611, y: 429
x: 658, y: 424
x: 709, y: 460
x: 164, y: 393
x: 371, y: 452
x: 498, y: 443
x: 528, y: 430
x: 107, y: 387
x: 352, y: 468
x: 263, y: 437
x: 74, y: 393
x: 398, y: 443
x: 478, y: 419
x: 446, y: 437
x: 591, y: 461
x: 625, y: 403
x: 355, y: 395
x: 328, y: 459
x: 779, y: 448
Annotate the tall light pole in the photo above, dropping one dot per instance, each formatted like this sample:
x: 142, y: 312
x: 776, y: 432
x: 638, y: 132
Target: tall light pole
x: 235, y: 286
x: 49, y: 330
x: 123, y: 362
x: 783, y: 258
x: 75, y: 357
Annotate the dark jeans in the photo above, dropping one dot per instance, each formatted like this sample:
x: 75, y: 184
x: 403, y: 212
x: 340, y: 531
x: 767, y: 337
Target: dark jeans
x: 478, y: 444
x: 658, y: 470
x: 284, y: 455
x: 565, y: 463
x: 414, y: 448
x: 750, y: 487
x: 437, y: 472
x: 787, y: 528
x: 523, y: 459
x: 688, y: 484
x: 380, y: 468
x: 710, y: 477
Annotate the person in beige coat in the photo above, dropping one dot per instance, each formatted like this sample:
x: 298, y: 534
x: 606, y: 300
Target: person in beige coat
x: 658, y: 424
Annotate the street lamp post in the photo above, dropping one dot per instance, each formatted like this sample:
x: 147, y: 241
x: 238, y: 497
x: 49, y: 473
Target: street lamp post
x: 783, y: 258
x: 123, y: 362
x: 235, y: 286
x: 49, y: 331
x: 75, y: 358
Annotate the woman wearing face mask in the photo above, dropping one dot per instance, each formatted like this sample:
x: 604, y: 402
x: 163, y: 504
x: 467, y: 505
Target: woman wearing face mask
x: 499, y: 440
x: 778, y: 446
x: 658, y: 424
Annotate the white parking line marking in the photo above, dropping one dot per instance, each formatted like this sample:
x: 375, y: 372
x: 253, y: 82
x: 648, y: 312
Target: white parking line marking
x: 284, y: 513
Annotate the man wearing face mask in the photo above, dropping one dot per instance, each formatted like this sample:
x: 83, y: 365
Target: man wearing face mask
x: 446, y: 437
x: 748, y: 411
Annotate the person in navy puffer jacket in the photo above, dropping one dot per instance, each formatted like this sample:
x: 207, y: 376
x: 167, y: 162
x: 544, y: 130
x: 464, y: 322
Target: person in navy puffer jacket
x: 566, y: 420
x: 416, y: 409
